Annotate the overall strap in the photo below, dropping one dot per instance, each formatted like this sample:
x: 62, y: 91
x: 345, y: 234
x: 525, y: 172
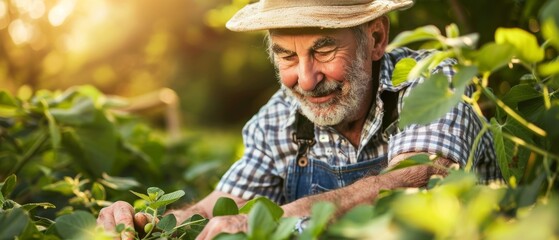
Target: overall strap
x: 304, y: 138
x: 390, y: 118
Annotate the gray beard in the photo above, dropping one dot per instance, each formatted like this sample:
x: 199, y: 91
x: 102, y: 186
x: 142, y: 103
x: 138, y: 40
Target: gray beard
x: 345, y: 105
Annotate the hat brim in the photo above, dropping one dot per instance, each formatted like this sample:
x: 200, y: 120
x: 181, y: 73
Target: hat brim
x: 252, y: 17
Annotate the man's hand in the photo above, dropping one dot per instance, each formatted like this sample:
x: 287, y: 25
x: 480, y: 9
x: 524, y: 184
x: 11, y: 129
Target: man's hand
x: 226, y: 224
x: 121, y: 212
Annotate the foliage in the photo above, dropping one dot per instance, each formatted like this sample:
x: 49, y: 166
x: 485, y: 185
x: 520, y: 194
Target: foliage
x: 68, y: 146
x: 525, y: 141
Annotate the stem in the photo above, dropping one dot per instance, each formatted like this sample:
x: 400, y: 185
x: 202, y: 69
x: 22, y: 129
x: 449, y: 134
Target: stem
x: 190, y: 223
x: 473, y: 103
x: 153, y: 217
x: 514, y: 115
x: 546, y: 99
x: 30, y: 153
x: 536, y: 149
x: 551, y: 181
x: 474, y: 147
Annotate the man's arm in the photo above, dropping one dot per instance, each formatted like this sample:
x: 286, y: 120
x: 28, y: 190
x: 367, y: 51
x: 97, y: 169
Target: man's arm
x: 204, y: 207
x: 365, y: 191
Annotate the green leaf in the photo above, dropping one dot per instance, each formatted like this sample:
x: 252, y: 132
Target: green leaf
x: 118, y: 183
x: 549, y: 68
x: 155, y: 193
x: 402, y: 70
x: 61, y: 186
x: 229, y: 236
x: 463, y: 77
x: 80, y: 113
x: 98, y: 191
x: 196, y: 224
x: 200, y: 169
x: 54, y: 130
x: 519, y: 93
x: 13, y: 222
x: 142, y: 196
x: 225, y: 206
x: 6, y: 99
x: 94, y: 146
x: 120, y: 227
x: 167, y: 199
x: 499, y: 144
x: 321, y: 213
x: 284, y: 229
x: 31, y: 206
x: 261, y: 223
x: 529, y: 193
x: 429, y: 101
x: 8, y: 105
x: 493, y: 56
x: 358, y: 214
x: 414, y: 160
x: 549, y: 18
x: 424, y: 33
x: 8, y: 185
x: 276, y: 210
x: 512, y: 158
x: 426, y: 65
x: 525, y: 44
x: 76, y: 225
x: 452, y: 31
x: 167, y: 223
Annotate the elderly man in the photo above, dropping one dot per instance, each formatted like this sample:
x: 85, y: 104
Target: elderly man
x: 332, y: 127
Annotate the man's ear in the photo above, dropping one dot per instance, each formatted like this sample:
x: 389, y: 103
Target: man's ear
x: 378, y: 36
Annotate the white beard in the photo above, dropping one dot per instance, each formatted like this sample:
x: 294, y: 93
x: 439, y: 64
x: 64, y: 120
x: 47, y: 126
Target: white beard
x: 345, y: 105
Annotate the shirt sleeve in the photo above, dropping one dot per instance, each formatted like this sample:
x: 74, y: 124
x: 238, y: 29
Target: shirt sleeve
x: 256, y: 172
x: 450, y: 136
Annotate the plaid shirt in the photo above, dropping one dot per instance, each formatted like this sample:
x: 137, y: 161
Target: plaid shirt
x: 269, y: 146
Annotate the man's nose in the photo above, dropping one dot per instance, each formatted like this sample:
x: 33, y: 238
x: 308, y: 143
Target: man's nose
x: 309, y: 74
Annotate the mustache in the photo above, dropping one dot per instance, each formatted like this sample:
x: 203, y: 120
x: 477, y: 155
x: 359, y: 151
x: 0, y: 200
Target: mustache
x: 323, y: 88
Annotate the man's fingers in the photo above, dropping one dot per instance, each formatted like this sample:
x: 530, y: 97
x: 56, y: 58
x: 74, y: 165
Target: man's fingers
x: 118, y: 213
x: 106, y: 219
x: 141, y: 219
x: 227, y: 224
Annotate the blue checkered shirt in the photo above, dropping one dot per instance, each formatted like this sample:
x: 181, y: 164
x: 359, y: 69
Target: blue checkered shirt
x: 269, y: 146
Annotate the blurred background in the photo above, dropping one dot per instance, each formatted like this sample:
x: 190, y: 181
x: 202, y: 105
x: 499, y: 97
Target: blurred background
x: 191, y: 80
x: 134, y: 48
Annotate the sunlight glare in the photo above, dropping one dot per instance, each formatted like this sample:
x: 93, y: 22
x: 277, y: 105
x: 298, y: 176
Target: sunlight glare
x: 4, y: 18
x: 61, y: 11
x: 3, y: 9
x: 20, y: 31
x: 37, y: 9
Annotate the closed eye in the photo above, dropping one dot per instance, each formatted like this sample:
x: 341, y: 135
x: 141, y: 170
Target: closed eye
x: 326, y: 55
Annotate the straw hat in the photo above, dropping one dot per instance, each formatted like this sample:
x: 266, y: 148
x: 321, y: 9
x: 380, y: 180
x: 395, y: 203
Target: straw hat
x: 272, y: 14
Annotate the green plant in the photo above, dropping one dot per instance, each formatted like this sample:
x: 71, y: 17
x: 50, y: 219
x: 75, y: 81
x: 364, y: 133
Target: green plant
x: 154, y: 204
x: 523, y: 126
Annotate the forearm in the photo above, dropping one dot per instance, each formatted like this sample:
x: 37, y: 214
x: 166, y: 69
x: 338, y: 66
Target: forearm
x: 366, y: 190
x: 204, y: 207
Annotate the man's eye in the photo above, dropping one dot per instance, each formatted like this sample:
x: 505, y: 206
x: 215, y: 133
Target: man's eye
x: 325, y: 55
x: 287, y: 57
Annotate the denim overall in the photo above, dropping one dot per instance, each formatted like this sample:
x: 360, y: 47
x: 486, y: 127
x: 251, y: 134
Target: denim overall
x: 306, y: 176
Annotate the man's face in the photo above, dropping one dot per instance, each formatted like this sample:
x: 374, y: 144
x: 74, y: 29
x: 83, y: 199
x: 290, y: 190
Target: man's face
x: 326, y: 70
